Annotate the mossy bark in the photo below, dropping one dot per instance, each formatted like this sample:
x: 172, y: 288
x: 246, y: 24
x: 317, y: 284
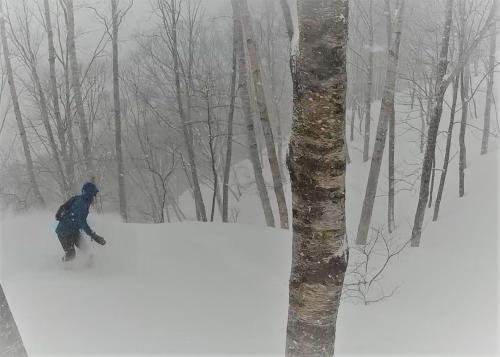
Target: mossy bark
x: 317, y: 170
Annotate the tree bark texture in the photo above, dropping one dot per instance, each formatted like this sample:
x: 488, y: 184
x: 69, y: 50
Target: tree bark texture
x: 317, y: 170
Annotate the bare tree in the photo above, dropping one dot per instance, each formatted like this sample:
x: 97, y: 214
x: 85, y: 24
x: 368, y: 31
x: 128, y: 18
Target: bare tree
x: 369, y: 84
x: 464, y: 96
x: 317, y: 170
x: 446, y: 159
x: 462, y: 163
x: 69, y: 166
x: 256, y: 70
x: 17, y: 111
x: 442, y: 84
x: 243, y: 90
x: 118, y: 16
x: 433, y: 126
x: 77, y: 90
x: 386, y: 111
x: 26, y: 48
x: 230, y: 119
x: 170, y: 12
x: 489, y: 87
x: 462, y: 61
x: 391, y: 225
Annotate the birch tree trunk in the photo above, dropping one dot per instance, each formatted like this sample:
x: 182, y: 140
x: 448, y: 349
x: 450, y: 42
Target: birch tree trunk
x: 433, y: 127
x: 11, y: 344
x: 316, y: 163
x: 247, y: 113
x: 369, y: 86
x: 229, y: 139
x: 117, y: 112
x: 17, y: 112
x: 385, y: 114
x: 489, y: 88
x: 256, y: 66
x: 446, y: 160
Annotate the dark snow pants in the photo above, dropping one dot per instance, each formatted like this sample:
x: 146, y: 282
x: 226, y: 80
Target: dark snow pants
x: 71, y: 240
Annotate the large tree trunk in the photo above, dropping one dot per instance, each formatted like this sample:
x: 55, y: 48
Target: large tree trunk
x: 433, y: 128
x: 317, y: 170
x: 489, y: 88
x: 369, y: 86
x: 77, y: 90
x: 11, y: 344
x: 55, y: 100
x: 17, y: 112
x: 256, y: 67
x: 464, y: 96
x: 386, y: 110
x: 229, y: 139
x: 117, y: 111
x: 446, y: 160
x: 247, y: 113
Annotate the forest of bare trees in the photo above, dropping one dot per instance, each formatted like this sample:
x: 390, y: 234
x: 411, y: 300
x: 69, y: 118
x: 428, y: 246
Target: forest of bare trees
x: 198, y: 108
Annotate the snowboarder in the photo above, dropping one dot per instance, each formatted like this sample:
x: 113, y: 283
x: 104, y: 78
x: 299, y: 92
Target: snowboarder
x: 72, y: 217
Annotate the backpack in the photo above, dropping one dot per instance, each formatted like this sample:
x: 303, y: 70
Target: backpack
x: 65, y: 209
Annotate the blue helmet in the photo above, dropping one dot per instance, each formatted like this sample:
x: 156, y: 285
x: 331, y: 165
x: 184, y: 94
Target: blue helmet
x: 89, y: 189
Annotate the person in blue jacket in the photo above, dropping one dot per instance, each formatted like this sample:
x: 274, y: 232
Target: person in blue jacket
x: 72, y: 217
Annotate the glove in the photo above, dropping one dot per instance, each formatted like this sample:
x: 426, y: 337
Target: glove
x: 98, y: 239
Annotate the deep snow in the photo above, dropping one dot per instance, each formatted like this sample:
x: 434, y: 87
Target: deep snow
x: 213, y: 288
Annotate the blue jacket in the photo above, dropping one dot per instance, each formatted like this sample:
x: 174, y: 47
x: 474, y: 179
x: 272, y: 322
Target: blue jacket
x: 73, y: 214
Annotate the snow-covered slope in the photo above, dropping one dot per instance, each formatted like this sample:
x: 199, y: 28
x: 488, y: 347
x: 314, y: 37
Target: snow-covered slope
x: 213, y: 288
x: 180, y: 288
